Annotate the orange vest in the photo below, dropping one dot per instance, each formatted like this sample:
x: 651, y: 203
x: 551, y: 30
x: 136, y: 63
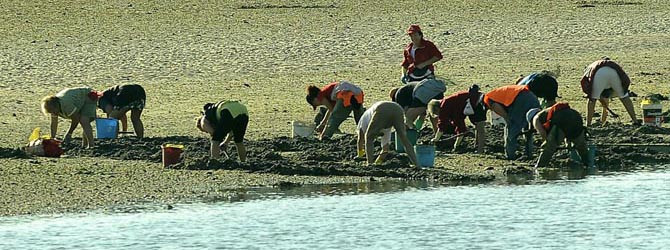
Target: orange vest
x: 504, y: 95
x: 550, y: 113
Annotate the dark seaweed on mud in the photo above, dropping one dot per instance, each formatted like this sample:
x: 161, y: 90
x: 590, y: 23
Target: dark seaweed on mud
x: 303, y: 156
x: 281, y: 155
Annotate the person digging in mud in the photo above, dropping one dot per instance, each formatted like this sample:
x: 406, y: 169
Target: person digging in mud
x: 381, y: 117
x: 414, y: 97
x: 543, y: 85
x: 450, y: 114
x: 418, y: 57
x: 362, y: 127
x: 556, y: 124
x: 512, y: 102
x: 118, y: 100
x: 605, y: 74
x: 227, y: 119
x: 76, y: 104
x: 340, y: 98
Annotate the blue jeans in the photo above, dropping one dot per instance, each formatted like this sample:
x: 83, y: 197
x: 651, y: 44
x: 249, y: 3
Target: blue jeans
x: 516, y: 113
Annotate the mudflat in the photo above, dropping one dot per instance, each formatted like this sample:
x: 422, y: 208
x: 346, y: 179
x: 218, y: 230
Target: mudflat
x: 265, y: 53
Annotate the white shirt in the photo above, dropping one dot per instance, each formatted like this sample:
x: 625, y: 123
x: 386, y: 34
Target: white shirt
x: 364, y: 122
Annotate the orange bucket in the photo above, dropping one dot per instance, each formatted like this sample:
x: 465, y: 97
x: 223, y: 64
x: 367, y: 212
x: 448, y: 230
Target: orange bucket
x: 171, y: 154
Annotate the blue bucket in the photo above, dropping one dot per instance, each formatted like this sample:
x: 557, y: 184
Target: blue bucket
x: 411, y: 135
x: 425, y: 155
x: 106, y: 128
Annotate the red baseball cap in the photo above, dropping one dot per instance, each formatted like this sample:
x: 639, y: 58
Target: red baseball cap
x: 413, y: 28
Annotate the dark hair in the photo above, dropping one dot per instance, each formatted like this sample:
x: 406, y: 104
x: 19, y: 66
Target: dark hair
x: 312, y: 92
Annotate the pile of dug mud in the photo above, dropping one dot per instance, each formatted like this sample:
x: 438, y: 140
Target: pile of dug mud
x: 281, y: 155
x: 618, y: 147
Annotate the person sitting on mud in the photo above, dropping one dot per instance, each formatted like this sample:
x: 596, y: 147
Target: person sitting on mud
x: 418, y: 57
x: 76, y: 104
x: 512, y: 102
x: 380, y: 118
x: 604, y: 74
x: 451, y: 112
x: 543, y: 85
x: 118, y: 100
x: 556, y: 124
x: 340, y: 98
x: 414, y: 97
x: 227, y: 119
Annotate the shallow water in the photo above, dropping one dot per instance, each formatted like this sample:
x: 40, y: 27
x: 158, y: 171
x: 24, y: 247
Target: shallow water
x: 624, y: 210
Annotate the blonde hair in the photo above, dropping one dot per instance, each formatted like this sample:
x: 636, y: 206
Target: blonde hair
x: 433, y: 108
x: 50, y: 105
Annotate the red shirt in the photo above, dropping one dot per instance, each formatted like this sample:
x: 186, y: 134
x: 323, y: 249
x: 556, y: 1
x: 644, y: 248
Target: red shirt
x: 326, y: 92
x: 451, y: 112
x: 422, y: 54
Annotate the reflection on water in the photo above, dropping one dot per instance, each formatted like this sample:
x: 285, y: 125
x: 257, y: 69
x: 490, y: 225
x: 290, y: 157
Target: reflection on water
x: 615, y: 211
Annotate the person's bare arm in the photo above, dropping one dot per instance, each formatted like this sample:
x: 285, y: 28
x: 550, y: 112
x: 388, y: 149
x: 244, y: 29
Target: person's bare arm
x: 54, y: 126
x: 539, y: 127
x: 214, y: 149
x: 500, y: 110
x: 427, y: 62
x: 324, y: 121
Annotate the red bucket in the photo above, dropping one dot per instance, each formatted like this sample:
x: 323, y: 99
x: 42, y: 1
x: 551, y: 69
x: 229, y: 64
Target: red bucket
x: 171, y: 154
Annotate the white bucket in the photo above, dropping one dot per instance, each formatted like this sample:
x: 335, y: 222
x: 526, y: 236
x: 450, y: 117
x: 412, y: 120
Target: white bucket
x: 302, y: 129
x: 496, y: 120
x: 651, y: 113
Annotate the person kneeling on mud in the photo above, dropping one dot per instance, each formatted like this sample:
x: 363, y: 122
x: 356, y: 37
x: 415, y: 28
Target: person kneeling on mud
x: 341, y: 98
x: 76, y: 104
x: 118, y: 100
x: 556, y: 124
x: 379, y: 119
x: 451, y: 112
x: 227, y: 119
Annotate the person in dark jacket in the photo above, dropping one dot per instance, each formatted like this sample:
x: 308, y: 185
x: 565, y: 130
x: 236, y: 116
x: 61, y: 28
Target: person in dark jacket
x: 118, y: 100
x: 225, y: 121
x: 543, y: 85
x: 555, y: 124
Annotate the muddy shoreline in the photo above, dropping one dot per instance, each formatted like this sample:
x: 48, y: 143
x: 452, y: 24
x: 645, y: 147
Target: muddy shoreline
x: 127, y: 170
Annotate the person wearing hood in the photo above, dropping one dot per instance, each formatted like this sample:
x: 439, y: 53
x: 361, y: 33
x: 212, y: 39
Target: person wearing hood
x: 543, y: 85
x: 223, y: 121
x: 556, y: 124
x: 512, y: 102
x: 341, y: 99
x: 418, y: 57
x: 450, y: 114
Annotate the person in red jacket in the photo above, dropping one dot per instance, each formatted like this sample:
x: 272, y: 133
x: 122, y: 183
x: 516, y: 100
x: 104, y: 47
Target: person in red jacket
x: 452, y: 111
x: 418, y: 57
